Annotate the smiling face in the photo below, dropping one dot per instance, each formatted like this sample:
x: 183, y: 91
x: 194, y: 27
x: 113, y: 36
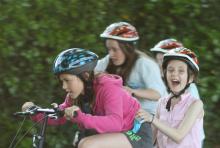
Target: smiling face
x: 72, y: 85
x: 115, y: 52
x: 177, y: 74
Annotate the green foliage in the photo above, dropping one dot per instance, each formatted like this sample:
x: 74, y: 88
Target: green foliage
x: 34, y: 32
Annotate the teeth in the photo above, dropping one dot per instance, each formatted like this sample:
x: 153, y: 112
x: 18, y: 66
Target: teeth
x: 175, y: 82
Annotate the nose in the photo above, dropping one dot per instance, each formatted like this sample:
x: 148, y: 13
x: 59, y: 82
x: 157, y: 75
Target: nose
x: 64, y: 86
x: 174, y: 73
x: 111, y: 53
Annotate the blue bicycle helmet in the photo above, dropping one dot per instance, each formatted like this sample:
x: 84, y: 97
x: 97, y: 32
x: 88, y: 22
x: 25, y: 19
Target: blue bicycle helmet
x: 75, y: 61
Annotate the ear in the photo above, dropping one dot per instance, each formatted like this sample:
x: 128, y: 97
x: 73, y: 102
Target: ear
x: 86, y: 75
x: 191, y: 78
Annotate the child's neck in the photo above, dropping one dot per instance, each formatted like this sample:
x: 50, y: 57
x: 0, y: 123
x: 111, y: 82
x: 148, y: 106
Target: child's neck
x: 176, y: 97
x: 174, y: 102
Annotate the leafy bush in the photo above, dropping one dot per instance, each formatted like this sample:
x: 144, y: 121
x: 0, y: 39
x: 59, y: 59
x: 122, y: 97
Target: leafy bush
x: 34, y: 32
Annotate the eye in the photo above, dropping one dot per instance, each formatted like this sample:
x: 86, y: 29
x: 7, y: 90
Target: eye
x: 170, y: 70
x: 181, y: 71
x: 64, y: 80
x: 110, y: 50
x: 115, y: 49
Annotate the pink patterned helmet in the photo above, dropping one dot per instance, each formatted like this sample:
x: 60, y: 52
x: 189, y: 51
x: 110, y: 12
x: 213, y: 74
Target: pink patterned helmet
x: 121, y: 31
x: 183, y: 54
x: 165, y: 45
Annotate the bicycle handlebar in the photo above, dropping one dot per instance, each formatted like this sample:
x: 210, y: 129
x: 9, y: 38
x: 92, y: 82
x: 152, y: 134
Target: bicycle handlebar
x: 52, y: 112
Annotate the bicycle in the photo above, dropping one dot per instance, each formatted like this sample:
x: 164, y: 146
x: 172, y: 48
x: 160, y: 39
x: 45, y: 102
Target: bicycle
x: 38, y: 139
x: 55, y: 113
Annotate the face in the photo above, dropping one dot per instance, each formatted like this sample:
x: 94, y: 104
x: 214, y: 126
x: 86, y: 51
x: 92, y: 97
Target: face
x: 72, y: 85
x: 115, y: 52
x: 177, y: 75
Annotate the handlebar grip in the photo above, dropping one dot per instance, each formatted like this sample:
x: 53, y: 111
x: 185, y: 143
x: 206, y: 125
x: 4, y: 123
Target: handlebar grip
x: 21, y: 113
x: 60, y: 113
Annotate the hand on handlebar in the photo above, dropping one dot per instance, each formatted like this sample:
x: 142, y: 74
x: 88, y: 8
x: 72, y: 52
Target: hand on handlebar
x: 26, y: 106
x: 70, y: 112
x: 55, y: 105
x: 29, y: 108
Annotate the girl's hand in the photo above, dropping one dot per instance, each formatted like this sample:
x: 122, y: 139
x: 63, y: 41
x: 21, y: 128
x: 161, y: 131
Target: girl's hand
x: 70, y: 111
x: 144, y: 115
x: 55, y: 105
x: 26, y: 105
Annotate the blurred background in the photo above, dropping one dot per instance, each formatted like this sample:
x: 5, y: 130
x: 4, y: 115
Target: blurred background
x: 33, y: 32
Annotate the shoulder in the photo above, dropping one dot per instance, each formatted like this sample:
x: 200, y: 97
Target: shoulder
x: 146, y: 60
x: 197, y: 104
x: 107, y: 79
x: 102, y: 64
x: 196, y: 107
x: 104, y: 59
x: 146, y: 64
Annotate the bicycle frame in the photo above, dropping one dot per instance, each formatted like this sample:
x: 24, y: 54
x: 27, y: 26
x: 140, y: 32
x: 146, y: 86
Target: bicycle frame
x: 39, y: 139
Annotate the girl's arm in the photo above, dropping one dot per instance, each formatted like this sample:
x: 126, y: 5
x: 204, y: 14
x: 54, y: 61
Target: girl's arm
x: 111, y: 120
x: 39, y: 117
x: 149, y: 74
x: 149, y: 93
x: 194, y: 112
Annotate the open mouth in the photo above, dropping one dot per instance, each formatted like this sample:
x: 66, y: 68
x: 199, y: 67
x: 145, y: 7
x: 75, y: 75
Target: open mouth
x: 175, y: 82
x: 70, y: 93
x: 116, y: 61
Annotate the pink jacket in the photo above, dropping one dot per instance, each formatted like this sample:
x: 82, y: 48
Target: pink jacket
x: 114, y: 109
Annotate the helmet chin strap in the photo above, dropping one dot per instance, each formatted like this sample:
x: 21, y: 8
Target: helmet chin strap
x: 176, y: 96
x: 168, y: 105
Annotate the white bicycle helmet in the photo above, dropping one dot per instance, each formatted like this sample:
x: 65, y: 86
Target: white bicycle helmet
x: 183, y: 54
x: 122, y: 31
x: 165, y: 45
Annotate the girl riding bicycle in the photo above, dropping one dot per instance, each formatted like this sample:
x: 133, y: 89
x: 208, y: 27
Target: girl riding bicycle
x: 96, y: 102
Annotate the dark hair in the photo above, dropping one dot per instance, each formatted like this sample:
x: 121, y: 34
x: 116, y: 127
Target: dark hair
x: 86, y: 100
x: 124, y: 70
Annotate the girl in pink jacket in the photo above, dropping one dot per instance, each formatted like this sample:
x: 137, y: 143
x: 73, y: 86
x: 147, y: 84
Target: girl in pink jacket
x: 96, y: 102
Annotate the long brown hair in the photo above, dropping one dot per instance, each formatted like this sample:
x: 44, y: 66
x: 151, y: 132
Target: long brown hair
x: 86, y: 101
x: 124, y: 70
